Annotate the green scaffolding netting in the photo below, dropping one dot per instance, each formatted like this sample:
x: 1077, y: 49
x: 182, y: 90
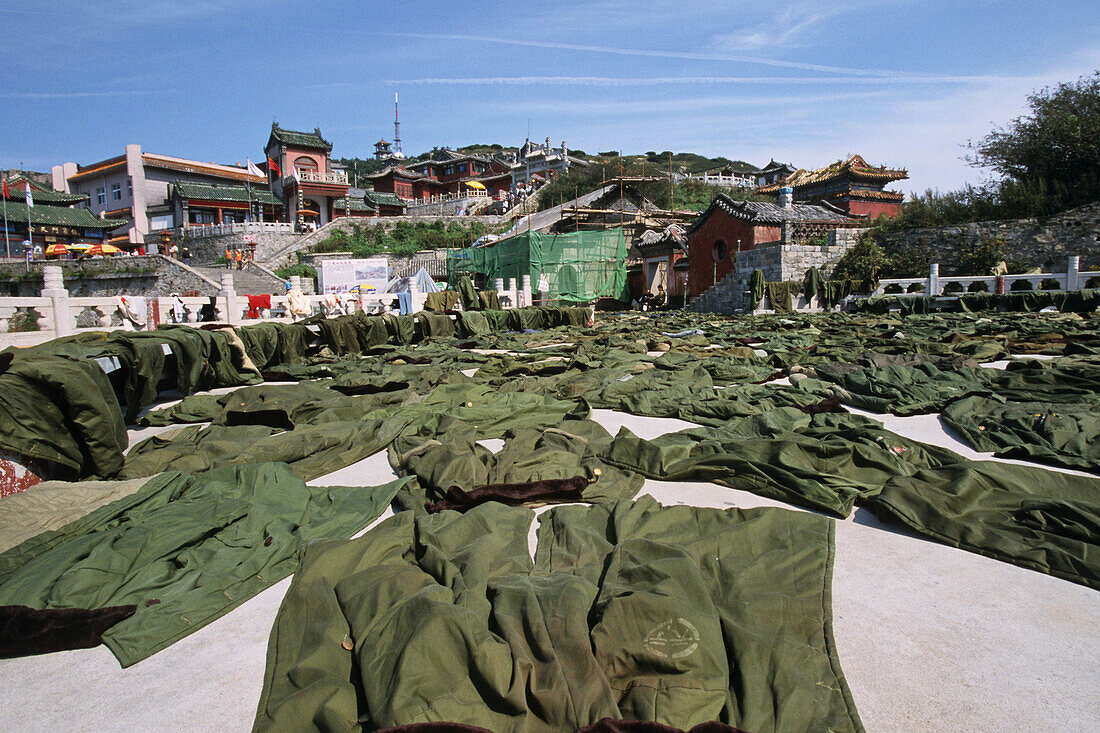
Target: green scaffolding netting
x: 579, y: 267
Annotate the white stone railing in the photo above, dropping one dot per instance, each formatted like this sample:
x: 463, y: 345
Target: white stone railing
x: 310, y: 176
x: 934, y: 284
x: 743, y: 181
x: 56, y: 314
x: 254, y: 227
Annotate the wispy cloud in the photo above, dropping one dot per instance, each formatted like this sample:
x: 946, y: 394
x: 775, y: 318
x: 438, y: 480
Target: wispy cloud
x: 656, y: 53
x: 611, y: 81
x: 74, y: 95
x: 791, y: 25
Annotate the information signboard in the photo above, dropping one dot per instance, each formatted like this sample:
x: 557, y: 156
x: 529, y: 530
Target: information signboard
x: 354, y: 276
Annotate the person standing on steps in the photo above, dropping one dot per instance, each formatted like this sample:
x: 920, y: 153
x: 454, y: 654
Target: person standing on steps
x: 228, y: 258
x: 240, y: 260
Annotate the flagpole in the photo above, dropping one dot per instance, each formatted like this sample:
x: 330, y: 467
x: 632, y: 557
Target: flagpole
x: 7, y: 237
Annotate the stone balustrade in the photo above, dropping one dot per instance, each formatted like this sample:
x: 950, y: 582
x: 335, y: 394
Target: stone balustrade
x: 311, y: 176
x: 55, y: 314
x: 934, y: 284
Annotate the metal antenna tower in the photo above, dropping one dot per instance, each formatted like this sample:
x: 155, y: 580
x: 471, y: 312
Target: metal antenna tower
x: 396, y: 127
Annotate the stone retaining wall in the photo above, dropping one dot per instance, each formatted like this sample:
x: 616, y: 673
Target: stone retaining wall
x: 1028, y: 242
x: 151, y: 275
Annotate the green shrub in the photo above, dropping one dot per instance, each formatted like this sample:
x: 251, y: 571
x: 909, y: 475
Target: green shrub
x: 977, y: 286
x: 1050, y: 283
x: 863, y: 262
x: 915, y: 288
x: 892, y: 289
x: 1021, y: 285
x: 1093, y: 282
x: 23, y: 322
x: 952, y: 287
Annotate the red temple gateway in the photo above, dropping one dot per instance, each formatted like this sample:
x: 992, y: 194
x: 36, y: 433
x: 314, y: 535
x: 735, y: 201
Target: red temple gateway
x: 852, y: 185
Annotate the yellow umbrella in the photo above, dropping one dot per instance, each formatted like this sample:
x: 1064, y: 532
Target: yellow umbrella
x: 79, y: 246
x: 103, y: 249
x: 475, y: 184
x: 56, y: 250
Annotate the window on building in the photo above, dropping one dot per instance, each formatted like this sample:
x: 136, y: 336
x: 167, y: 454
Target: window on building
x: 116, y: 191
x: 304, y: 163
x: 101, y: 195
x: 720, y: 250
x: 130, y: 189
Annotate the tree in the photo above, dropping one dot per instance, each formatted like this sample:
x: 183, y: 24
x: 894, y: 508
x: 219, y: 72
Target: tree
x: 1058, y: 142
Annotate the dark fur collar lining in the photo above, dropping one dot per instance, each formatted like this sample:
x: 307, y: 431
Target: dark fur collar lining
x: 26, y: 630
x: 554, y: 490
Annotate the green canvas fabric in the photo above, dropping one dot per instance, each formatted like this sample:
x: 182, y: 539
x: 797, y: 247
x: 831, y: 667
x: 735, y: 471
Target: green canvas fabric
x: 62, y: 411
x: 776, y: 454
x: 193, y: 409
x: 205, y: 359
x: 489, y: 300
x: 812, y: 283
x: 756, y: 287
x: 451, y: 457
x: 1058, y: 434
x: 310, y: 451
x: 901, y: 389
x: 834, y: 291
x: 677, y: 615
x: 184, y: 549
x: 779, y: 295
x: 1042, y: 520
x: 436, y: 325
x: 51, y: 505
x: 467, y: 293
x: 401, y: 329
x: 444, y: 300
x: 472, y: 323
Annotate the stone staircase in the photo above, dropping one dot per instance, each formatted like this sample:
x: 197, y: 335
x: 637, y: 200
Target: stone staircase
x: 726, y: 296
x: 249, y: 281
x: 282, y: 256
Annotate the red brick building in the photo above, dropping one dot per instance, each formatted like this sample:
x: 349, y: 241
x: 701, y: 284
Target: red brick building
x: 456, y: 170
x: 852, y: 185
x: 449, y: 173
x: 728, y: 227
x: 404, y: 183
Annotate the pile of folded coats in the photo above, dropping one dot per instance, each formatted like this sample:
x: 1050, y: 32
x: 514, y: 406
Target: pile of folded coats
x: 629, y: 611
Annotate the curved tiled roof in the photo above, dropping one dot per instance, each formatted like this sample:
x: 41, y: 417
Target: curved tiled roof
x: 300, y: 139
x: 761, y: 212
x: 855, y: 167
x: 222, y: 192
x: 60, y: 216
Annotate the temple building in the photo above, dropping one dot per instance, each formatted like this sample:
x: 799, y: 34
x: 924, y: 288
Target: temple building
x: 542, y: 162
x: 55, y: 218
x: 201, y: 204
x: 383, y: 150
x: 729, y: 227
x: 305, y: 180
x: 134, y: 187
x: 773, y: 172
x: 851, y: 185
x: 457, y: 171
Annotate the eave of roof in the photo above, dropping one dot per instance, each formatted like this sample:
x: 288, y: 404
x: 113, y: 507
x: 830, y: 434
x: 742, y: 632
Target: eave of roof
x: 60, y: 216
x: 216, y: 192
x: 299, y: 139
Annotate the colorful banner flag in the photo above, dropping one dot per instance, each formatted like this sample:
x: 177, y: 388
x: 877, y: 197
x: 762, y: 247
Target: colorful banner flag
x: 274, y: 167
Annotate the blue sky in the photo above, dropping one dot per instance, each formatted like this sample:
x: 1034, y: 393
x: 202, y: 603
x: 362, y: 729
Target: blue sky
x: 902, y: 82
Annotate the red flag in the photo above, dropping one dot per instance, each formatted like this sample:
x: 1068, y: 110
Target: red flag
x: 273, y: 166
x: 6, y: 193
